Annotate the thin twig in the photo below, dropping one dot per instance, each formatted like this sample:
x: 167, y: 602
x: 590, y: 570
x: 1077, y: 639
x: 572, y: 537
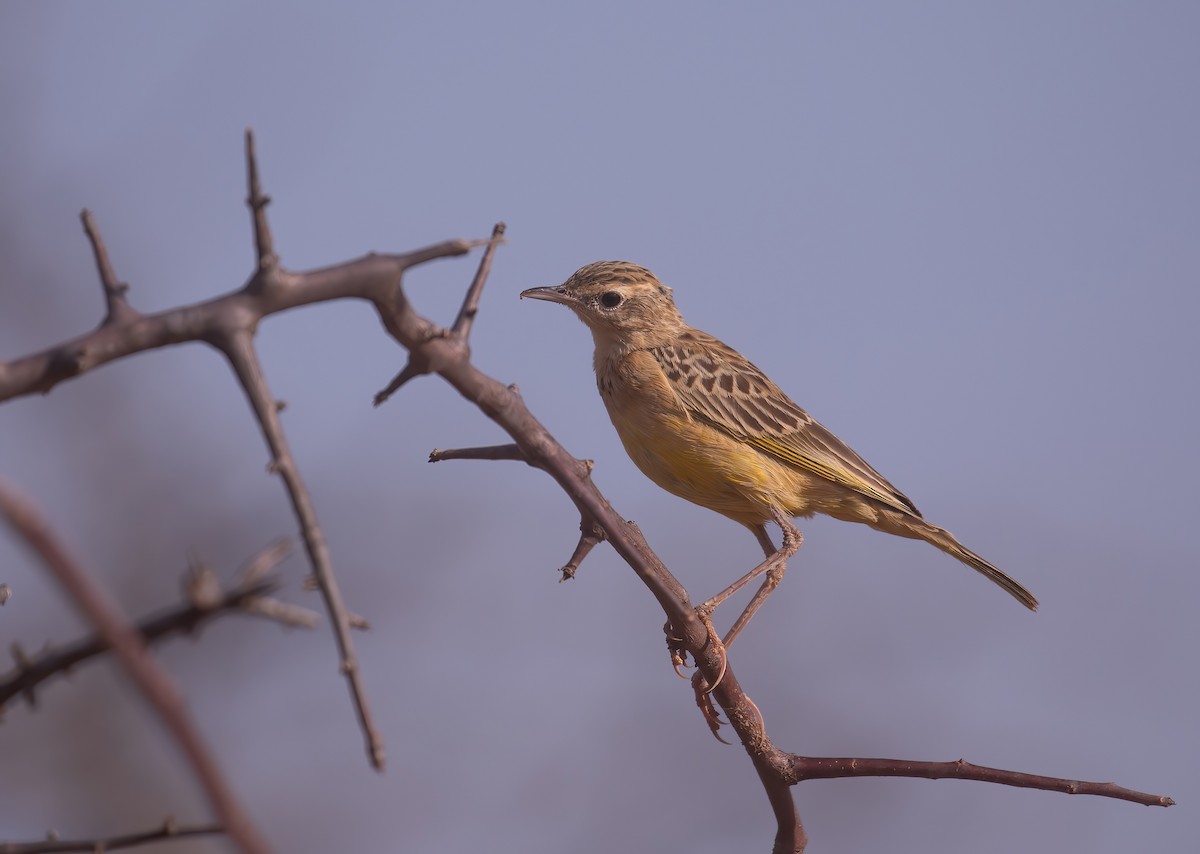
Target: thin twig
x: 470, y: 306
x: 487, y: 452
x: 249, y: 597
x: 53, y: 845
x: 591, y: 534
x: 117, y: 308
x: 828, y: 767
x: 413, y: 368
x: 155, y: 685
x: 419, y: 361
x: 264, y: 245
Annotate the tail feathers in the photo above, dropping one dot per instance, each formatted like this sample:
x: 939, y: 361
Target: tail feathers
x: 945, y: 541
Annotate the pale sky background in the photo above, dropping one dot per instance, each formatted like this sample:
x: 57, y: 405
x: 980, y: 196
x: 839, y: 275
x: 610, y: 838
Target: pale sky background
x: 963, y: 235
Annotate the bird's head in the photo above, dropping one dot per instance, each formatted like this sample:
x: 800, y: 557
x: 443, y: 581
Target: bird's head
x: 619, y: 301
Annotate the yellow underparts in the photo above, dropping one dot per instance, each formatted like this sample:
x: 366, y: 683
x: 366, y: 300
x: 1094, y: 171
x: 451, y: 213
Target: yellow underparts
x: 696, y: 461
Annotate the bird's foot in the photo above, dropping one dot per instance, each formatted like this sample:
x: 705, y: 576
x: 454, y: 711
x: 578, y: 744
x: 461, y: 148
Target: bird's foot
x: 676, y: 648
x: 714, y: 640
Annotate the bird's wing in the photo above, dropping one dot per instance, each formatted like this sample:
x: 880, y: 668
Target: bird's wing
x: 718, y: 385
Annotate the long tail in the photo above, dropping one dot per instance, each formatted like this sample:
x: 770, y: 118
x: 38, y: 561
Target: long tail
x: 912, y: 526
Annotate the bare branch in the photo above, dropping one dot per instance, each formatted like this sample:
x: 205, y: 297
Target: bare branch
x: 420, y: 362
x: 487, y: 452
x: 250, y: 597
x: 155, y: 685
x: 257, y: 202
x: 827, y: 767
x: 373, y: 277
x: 53, y: 845
x: 590, y: 532
x: 470, y: 306
x: 117, y: 308
x: 238, y: 347
x: 415, y: 367
x: 590, y: 536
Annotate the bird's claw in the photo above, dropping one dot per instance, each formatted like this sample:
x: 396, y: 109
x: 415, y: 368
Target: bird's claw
x: 705, y: 704
x: 677, y: 650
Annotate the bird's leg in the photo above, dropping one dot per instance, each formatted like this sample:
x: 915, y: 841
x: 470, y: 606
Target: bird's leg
x: 774, y: 567
x: 764, y: 540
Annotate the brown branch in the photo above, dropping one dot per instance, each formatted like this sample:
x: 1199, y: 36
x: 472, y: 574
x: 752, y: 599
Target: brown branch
x: 420, y: 362
x: 53, y: 845
x: 204, y: 602
x: 470, y: 306
x: 487, y: 452
x: 827, y: 767
x: 415, y: 367
x: 117, y: 308
x: 152, y: 681
x: 264, y: 246
x: 271, y: 290
x: 372, y: 277
x: 591, y: 533
x: 238, y: 347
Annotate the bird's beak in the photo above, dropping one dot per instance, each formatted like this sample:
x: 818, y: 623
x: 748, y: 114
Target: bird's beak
x: 554, y: 293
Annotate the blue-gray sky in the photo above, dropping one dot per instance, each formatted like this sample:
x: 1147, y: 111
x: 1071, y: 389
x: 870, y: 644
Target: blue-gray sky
x: 962, y: 235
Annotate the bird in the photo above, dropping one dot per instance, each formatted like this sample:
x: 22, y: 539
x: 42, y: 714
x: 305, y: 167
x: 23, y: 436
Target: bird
x: 702, y: 422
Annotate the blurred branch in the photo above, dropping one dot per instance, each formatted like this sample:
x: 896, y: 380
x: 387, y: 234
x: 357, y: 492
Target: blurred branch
x: 204, y: 602
x: 53, y: 845
x: 151, y: 680
x: 228, y: 323
x: 117, y: 306
x: 239, y: 349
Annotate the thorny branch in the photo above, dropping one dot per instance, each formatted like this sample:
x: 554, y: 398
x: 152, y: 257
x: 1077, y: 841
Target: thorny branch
x: 777, y: 769
x: 152, y: 681
x: 458, y: 336
x: 228, y: 323
x: 53, y: 845
x: 204, y: 601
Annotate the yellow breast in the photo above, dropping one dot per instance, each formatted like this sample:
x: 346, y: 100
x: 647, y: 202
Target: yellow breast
x: 687, y: 457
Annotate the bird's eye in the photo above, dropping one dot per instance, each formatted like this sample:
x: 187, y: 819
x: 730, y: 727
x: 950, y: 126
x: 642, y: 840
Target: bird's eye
x: 610, y: 299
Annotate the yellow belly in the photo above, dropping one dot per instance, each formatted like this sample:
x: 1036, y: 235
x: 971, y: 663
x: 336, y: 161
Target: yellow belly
x: 690, y: 459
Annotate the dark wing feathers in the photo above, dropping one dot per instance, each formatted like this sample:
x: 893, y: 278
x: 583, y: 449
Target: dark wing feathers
x: 720, y: 386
